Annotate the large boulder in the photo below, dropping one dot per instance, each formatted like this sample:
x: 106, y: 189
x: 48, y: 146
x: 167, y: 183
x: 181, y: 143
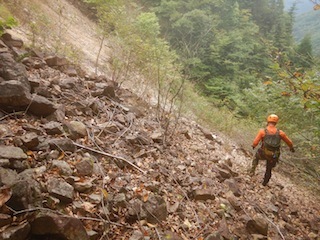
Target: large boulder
x: 14, y: 94
x: 26, y: 193
x: 11, y: 41
x: 41, y: 106
x: 12, y: 70
x: 14, y: 84
x: 50, y: 225
x: 12, y: 153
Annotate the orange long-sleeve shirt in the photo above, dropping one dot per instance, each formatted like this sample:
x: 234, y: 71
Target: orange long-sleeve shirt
x: 272, y: 130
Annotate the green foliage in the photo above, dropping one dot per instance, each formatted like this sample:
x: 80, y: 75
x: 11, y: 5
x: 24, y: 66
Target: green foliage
x: 218, y: 89
x: 6, y: 19
x: 303, y: 54
x: 111, y: 14
x: 139, y: 50
x: 295, y: 97
x: 147, y: 26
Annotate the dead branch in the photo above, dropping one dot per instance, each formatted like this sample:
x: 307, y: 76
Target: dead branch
x: 12, y: 114
x: 270, y: 221
x: 110, y: 155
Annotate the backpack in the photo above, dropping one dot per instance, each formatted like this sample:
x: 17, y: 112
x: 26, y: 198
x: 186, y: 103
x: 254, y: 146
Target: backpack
x: 272, y: 141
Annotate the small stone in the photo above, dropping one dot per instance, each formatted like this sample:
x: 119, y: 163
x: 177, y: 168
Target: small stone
x: 203, y: 194
x: 85, y: 167
x: 12, y: 153
x: 60, y: 189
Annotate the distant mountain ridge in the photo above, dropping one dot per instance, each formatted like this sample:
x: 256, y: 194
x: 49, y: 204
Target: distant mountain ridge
x: 302, y: 6
x: 306, y: 22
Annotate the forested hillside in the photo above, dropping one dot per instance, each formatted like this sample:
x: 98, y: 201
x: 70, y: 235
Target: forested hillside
x: 308, y: 24
x: 242, y: 57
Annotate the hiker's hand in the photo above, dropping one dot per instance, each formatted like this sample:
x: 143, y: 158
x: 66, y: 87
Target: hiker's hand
x: 292, y: 150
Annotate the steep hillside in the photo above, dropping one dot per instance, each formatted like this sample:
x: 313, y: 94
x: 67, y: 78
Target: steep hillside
x: 87, y: 159
x: 308, y: 24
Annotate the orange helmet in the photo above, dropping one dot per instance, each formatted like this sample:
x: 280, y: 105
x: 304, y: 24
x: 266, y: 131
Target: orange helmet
x: 273, y: 118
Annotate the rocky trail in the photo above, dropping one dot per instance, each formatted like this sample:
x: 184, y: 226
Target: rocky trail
x: 82, y: 158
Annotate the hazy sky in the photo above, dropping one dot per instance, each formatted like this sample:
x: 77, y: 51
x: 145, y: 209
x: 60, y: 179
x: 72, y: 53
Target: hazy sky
x: 302, y: 5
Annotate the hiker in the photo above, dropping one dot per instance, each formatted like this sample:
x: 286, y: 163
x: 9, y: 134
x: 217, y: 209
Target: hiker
x: 270, y: 138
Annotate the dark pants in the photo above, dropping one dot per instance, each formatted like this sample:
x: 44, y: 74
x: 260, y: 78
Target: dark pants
x: 271, y: 163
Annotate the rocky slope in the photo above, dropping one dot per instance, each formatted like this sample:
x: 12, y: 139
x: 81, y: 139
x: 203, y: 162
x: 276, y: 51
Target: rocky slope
x: 81, y: 158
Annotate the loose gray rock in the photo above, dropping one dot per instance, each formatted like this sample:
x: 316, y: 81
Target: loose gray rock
x: 54, y: 61
x: 5, y: 131
x: 257, y: 225
x: 53, y: 128
x: 41, y: 106
x: 120, y: 200
x: 8, y: 177
x: 19, y: 232
x: 32, y: 173
x: 10, y: 41
x: 155, y: 209
x: 26, y: 194
x: 233, y: 186
x: 77, y: 129
x: 48, y: 224
x: 85, y: 167
x: 60, y: 189
x: 63, y: 167
x: 14, y: 94
x: 224, y: 174
x: 203, y: 194
x: 12, y: 153
x: 83, y: 186
x: 30, y: 140
x: 64, y: 144
x: 235, y: 203
x: 4, y: 163
x: 12, y: 70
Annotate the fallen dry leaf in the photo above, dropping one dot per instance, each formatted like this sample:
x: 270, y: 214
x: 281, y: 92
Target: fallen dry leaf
x: 61, y: 156
x: 5, y: 195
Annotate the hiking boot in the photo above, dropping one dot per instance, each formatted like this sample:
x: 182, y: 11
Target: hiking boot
x: 252, y: 170
x: 253, y: 167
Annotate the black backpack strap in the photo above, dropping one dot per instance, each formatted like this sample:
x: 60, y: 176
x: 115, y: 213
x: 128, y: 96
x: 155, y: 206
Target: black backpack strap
x: 277, y: 132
